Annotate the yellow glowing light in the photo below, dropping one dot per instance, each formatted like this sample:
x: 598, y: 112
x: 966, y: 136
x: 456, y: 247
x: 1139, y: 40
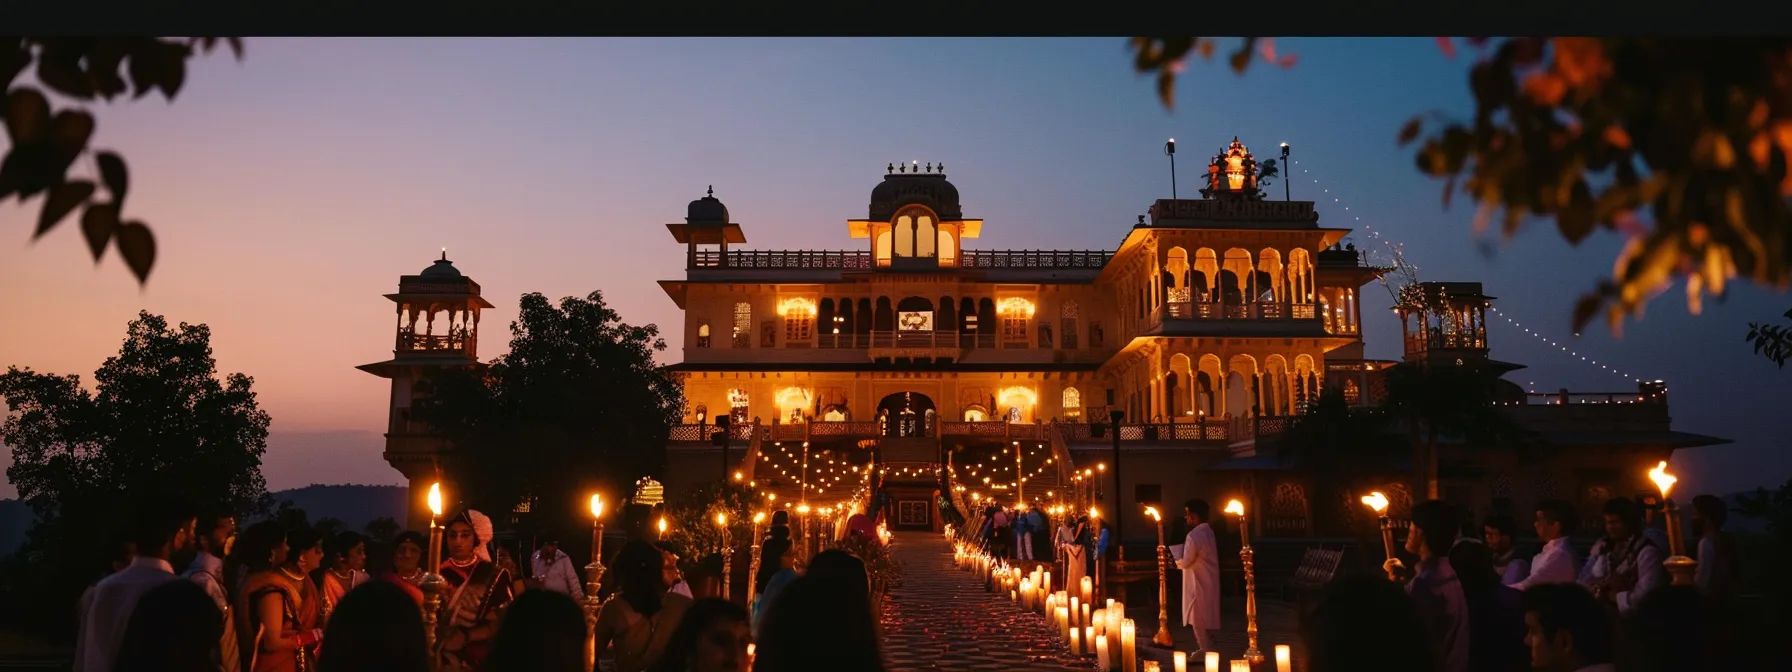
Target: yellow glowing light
x: 597, y: 506
x: 1015, y: 305
x: 1235, y: 507
x: 722, y: 520
x: 1152, y: 511
x: 738, y: 476
x: 1663, y: 480
x: 1094, y: 512
x: 1102, y: 467
x: 797, y: 305
x: 435, y: 498
x: 803, y: 509
x: 1376, y: 501
x: 759, y: 518
x: 662, y: 524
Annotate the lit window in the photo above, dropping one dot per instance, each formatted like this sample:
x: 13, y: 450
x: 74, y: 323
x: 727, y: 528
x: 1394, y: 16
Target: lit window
x: 743, y: 325
x: 1073, y: 403
x: 799, y: 319
x: 703, y: 336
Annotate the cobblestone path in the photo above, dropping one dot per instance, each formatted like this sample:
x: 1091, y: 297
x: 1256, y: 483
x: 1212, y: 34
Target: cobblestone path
x: 942, y: 619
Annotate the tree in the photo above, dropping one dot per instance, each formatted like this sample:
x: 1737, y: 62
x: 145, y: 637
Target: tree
x: 1772, y: 341
x: 159, y: 420
x: 1435, y: 401
x: 1681, y: 145
x: 382, y: 529
x: 46, y: 142
x: 577, y: 405
x: 1351, y: 445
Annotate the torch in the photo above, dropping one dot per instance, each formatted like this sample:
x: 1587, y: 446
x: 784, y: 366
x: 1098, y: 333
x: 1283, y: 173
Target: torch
x: 753, y: 570
x: 433, y: 584
x: 1679, y: 566
x: 594, y: 574
x: 1379, y: 502
x: 727, y: 553
x: 1162, y: 638
x: 1245, y: 554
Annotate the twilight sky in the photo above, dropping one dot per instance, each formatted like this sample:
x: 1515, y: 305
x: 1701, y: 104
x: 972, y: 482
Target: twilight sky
x: 289, y: 191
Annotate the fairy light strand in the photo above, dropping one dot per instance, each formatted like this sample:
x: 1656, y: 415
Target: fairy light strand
x: 1396, y: 249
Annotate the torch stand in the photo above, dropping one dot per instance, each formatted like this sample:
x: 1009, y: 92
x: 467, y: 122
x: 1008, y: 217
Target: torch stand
x: 433, y: 585
x: 594, y: 575
x: 1680, y: 567
x: 1248, y: 556
x: 1163, y: 637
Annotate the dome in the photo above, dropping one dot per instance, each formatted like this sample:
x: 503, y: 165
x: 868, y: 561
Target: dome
x: 443, y: 268
x: 707, y: 210
x: 929, y: 189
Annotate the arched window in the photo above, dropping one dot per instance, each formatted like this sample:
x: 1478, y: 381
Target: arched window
x: 948, y: 249
x: 916, y: 234
x: 975, y: 413
x: 1352, y: 393
x: 1073, y: 403
x: 883, y: 249
x: 703, y: 335
x: 1013, y: 414
x: 701, y: 412
x: 737, y: 406
x: 743, y: 325
x: 799, y: 320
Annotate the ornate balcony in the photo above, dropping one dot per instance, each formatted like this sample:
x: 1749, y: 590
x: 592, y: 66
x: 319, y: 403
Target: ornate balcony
x: 862, y: 260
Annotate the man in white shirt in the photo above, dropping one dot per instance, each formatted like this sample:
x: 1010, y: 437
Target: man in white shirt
x: 555, y: 569
x: 1566, y: 629
x: 163, y: 528
x: 1200, y: 575
x: 214, y: 534
x: 1556, y: 562
x: 1625, y: 565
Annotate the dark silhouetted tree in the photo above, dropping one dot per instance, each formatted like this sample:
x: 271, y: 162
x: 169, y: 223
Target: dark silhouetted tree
x: 1773, y: 341
x: 159, y: 420
x: 576, y: 405
x: 382, y: 529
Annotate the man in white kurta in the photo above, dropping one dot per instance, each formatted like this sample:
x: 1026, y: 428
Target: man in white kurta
x: 1200, y: 565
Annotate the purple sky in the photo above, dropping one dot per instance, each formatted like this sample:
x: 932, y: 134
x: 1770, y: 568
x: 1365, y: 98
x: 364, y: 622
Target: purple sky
x: 289, y: 191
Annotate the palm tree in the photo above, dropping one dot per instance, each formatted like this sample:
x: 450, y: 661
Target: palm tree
x: 1437, y: 401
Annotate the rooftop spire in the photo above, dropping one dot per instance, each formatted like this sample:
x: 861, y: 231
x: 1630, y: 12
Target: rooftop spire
x: 712, y: 191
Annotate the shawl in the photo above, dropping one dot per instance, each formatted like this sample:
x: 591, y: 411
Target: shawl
x: 482, y: 531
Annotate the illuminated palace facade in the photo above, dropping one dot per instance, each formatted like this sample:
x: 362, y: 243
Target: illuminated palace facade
x: 917, y: 355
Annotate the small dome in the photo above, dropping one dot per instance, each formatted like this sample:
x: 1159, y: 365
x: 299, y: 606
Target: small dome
x: 443, y: 268
x: 707, y: 210
x: 929, y: 189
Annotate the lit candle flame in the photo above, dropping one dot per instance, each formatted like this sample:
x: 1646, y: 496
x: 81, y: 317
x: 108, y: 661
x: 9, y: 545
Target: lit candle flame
x: 1376, y: 501
x: 1094, y: 512
x: 759, y: 518
x: 1235, y: 507
x: 803, y: 509
x: 662, y: 524
x: 597, y: 506
x: 1152, y: 511
x: 1663, y: 480
x: 435, y: 499
x: 722, y: 519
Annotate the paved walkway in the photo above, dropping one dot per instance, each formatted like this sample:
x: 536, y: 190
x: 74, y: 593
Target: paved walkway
x: 942, y: 619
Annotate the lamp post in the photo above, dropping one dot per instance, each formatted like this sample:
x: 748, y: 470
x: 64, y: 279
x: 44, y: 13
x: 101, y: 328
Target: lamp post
x: 803, y: 510
x: 1114, y: 418
x: 433, y: 585
x: 1162, y: 638
x: 1379, y: 503
x: 594, y: 575
x: 753, y: 567
x: 1287, y: 195
x: 1170, y: 150
x: 727, y: 553
x: 1245, y: 554
x: 722, y: 439
x: 1095, y: 522
x: 1019, y: 476
x: 1680, y: 567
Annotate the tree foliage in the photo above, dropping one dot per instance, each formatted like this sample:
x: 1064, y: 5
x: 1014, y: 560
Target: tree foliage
x: 46, y: 142
x: 159, y: 420
x: 1680, y: 145
x: 1773, y: 341
x: 577, y: 405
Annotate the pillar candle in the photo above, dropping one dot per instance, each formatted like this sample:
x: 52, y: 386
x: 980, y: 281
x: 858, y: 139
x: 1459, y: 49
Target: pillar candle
x: 1129, y: 656
x: 1152, y: 666
x: 1076, y: 610
x: 1063, y: 620
x: 1213, y: 661
x: 1086, y: 614
x: 1013, y: 595
x: 1284, y: 658
x: 1076, y: 641
x: 1241, y: 666
x: 1180, y: 661
x: 1088, y: 640
x: 1101, y: 655
x: 1088, y: 588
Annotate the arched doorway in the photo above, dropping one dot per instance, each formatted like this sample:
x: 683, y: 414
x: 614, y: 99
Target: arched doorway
x: 905, y: 414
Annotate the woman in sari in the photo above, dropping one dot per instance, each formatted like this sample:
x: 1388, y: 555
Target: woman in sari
x: 1075, y: 556
x: 636, y: 623
x: 345, y: 562
x: 478, y: 591
x: 407, y: 564
x: 280, y: 607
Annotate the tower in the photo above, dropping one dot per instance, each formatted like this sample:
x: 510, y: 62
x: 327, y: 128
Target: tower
x: 706, y: 232
x: 1444, y: 322
x: 438, y: 328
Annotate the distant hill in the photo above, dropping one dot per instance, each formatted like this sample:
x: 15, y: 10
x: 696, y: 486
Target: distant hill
x: 354, y: 505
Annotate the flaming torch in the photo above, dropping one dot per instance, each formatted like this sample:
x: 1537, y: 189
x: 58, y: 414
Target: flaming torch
x: 1245, y: 554
x: 1379, y: 503
x: 1162, y: 638
x: 727, y: 553
x: 433, y: 584
x: 594, y: 574
x: 1680, y: 567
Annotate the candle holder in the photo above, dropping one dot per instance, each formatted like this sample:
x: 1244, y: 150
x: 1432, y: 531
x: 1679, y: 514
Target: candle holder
x: 1678, y: 566
x: 1163, y: 637
x: 594, y: 576
x: 1379, y: 503
x: 433, y: 585
x: 1247, y: 556
x: 753, y: 565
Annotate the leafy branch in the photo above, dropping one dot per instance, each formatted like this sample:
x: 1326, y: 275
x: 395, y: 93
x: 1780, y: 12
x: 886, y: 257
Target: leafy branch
x: 1772, y: 341
x: 46, y: 142
x: 1680, y: 145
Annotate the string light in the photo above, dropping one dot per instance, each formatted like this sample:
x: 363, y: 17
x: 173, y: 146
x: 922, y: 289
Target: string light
x: 1397, y: 249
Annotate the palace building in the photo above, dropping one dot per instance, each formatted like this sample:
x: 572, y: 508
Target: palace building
x: 1150, y: 373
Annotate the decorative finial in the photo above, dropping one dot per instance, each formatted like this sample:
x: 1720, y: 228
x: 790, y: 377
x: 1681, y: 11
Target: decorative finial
x: 444, y: 254
x: 712, y: 191
x: 890, y: 168
x: 942, y: 167
x: 902, y: 168
x: 929, y: 166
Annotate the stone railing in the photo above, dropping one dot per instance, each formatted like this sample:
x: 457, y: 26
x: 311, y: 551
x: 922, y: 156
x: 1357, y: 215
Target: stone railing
x: 862, y: 260
x: 1048, y: 259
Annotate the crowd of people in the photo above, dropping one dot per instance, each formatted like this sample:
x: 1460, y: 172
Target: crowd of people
x: 271, y: 599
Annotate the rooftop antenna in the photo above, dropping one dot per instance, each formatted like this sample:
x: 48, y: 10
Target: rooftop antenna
x: 1287, y: 175
x: 1170, y: 149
